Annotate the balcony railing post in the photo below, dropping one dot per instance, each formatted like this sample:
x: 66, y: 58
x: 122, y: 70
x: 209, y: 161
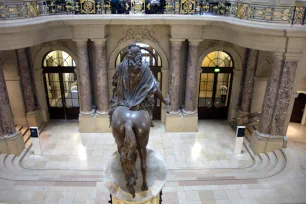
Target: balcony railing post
x: 293, y: 15
x: 304, y: 16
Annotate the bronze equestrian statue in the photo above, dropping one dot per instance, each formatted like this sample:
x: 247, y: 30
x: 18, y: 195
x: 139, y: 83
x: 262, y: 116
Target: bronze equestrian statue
x: 130, y: 113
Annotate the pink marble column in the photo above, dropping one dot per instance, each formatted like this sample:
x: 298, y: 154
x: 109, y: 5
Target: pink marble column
x: 270, y: 98
x: 84, y: 77
x: 175, y: 74
x: 26, y: 80
x: 283, y: 98
x: 252, y: 57
x: 7, y: 126
x: 101, y: 78
x: 191, y: 78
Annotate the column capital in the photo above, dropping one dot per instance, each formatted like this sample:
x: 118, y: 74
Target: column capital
x: 279, y: 55
x: 287, y: 56
x: 176, y: 41
x: 99, y: 41
x: 195, y: 42
x: 80, y: 41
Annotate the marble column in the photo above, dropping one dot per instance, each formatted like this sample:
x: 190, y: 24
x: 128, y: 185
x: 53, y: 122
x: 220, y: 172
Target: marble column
x: 175, y: 75
x: 271, y: 93
x: 7, y: 126
x: 11, y: 141
x: 191, y: 78
x: 101, y: 78
x: 84, y: 78
x: 26, y: 83
x: 283, y: 98
x: 250, y: 71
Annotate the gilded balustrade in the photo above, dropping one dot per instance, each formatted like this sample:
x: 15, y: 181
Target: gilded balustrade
x: 255, y: 12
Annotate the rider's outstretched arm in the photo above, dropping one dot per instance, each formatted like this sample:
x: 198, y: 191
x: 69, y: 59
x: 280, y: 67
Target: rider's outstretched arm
x: 159, y: 94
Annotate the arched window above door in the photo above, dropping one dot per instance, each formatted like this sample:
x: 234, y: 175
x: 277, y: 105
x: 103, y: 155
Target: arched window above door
x: 217, y: 59
x: 149, y: 56
x: 58, y: 58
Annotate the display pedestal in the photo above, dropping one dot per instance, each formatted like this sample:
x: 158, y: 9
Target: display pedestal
x: 114, y: 180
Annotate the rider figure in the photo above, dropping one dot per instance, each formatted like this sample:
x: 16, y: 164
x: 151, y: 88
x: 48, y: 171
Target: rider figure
x: 134, y: 84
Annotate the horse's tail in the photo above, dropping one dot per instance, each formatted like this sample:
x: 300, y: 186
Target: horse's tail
x: 128, y: 157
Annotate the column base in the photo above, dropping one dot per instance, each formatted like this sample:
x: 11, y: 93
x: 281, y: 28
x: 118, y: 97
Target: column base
x: 261, y: 143
x: 12, y: 144
x: 94, y: 123
x: 34, y: 119
x: 179, y: 123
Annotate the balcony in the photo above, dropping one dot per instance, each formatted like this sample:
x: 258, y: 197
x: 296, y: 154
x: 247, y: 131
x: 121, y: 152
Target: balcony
x: 294, y: 15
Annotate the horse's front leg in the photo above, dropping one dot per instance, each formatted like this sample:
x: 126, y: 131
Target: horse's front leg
x: 143, y: 158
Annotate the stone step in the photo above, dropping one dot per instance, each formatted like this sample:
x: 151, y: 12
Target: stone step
x: 18, y: 127
x: 24, y: 130
x: 26, y: 136
x: 265, y: 160
x: 13, y: 170
x: 280, y: 165
x: 265, y: 165
x: 273, y: 161
x: 281, y: 160
x: 6, y: 174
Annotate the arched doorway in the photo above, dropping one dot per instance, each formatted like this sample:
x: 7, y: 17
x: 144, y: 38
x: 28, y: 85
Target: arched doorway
x: 298, y: 108
x: 61, y: 85
x: 215, y: 86
x: 153, y: 60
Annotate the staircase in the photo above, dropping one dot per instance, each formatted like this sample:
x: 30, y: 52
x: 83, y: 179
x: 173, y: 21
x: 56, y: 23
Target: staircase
x: 25, y: 131
x: 11, y: 169
x: 265, y: 165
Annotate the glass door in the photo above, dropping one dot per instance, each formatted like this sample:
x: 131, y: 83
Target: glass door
x: 214, y: 94
x: 62, y: 95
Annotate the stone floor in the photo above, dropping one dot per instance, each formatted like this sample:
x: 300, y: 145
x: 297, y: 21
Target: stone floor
x: 201, y: 166
x: 65, y: 148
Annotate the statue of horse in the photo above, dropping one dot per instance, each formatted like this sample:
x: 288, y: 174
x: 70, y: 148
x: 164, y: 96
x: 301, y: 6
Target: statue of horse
x: 131, y: 113
x: 131, y: 130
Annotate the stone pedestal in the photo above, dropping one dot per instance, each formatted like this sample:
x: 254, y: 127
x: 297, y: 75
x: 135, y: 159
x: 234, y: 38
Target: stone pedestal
x: 114, y: 180
x: 261, y: 143
x: 94, y: 123
x: 15, y: 143
x: 181, y: 123
x: 86, y: 123
x: 34, y: 118
x: 102, y: 123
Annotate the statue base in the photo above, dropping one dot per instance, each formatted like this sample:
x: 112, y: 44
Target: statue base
x: 155, y: 200
x: 114, y: 180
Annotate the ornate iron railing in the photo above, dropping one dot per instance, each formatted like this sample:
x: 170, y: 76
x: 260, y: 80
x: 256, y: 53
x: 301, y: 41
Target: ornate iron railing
x: 11, y: 9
